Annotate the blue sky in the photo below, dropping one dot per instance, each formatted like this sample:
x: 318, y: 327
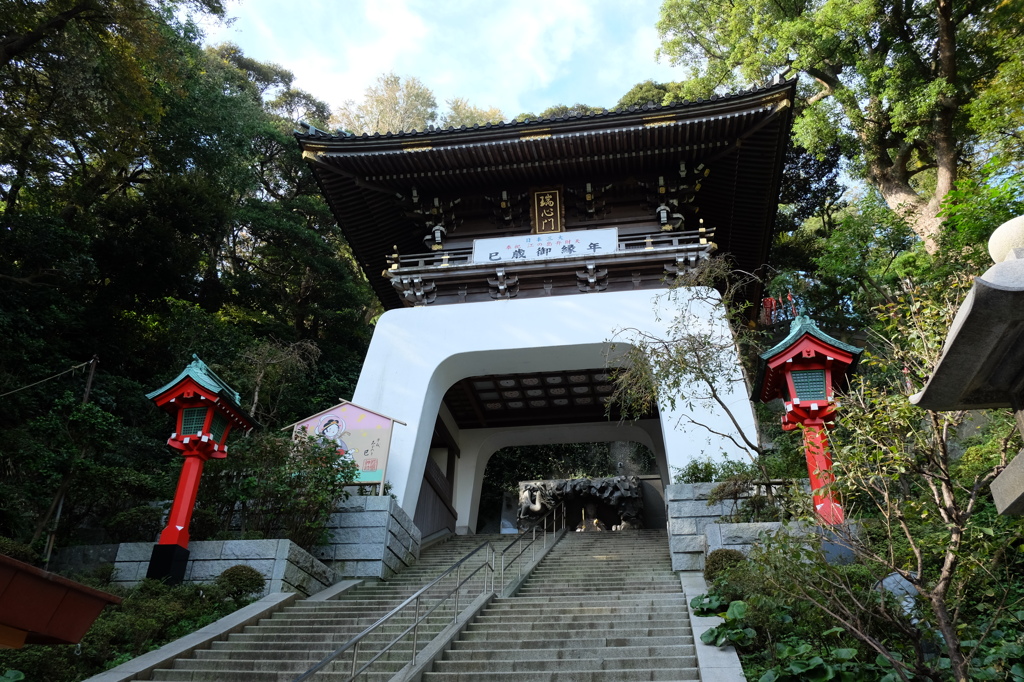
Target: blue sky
x: 517, y: 55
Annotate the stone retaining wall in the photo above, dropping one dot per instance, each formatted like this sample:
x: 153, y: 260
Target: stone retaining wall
x: 689, y: 518
x: 695, y: 531
x: 370, y: 537
x: 285, y: 566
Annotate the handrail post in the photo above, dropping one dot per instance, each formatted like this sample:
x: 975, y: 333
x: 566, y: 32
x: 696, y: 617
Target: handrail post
x: 458, y: 588
x: 415, y: 630
x: 355, y: 658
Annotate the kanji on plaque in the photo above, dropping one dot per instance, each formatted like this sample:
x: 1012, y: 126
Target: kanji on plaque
x: 520, y: 248
x: 358, y: 432
x: 547, y: 211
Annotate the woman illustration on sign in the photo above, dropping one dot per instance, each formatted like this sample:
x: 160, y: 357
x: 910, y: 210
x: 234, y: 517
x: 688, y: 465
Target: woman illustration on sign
x: 333, y: 427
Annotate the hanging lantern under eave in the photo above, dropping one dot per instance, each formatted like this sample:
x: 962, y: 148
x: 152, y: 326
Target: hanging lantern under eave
x: 804, y: 371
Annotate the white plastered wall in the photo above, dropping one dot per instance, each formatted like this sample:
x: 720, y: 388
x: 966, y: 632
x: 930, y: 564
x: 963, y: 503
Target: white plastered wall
x: 416, y: 354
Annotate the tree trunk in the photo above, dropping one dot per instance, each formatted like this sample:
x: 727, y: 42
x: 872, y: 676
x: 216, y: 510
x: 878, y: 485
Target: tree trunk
x: 920, y: 214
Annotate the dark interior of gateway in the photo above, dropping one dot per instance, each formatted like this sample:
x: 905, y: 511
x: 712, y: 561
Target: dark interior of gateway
x: 510, y: 466
x: 535, y: 398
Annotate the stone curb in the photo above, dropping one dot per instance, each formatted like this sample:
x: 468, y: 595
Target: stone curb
x: 145, y: 664
x: 721, y: 664
x: 334, y: 591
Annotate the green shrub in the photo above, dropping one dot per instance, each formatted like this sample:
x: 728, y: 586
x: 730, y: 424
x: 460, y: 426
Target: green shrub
x: 240, y: 581
x: 17, y: 550
x: 276, y: 487
x: 139, y: 524
x: 719, y: 560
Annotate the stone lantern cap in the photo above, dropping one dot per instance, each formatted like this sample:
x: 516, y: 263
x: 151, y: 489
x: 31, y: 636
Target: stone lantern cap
x: 982, y: 363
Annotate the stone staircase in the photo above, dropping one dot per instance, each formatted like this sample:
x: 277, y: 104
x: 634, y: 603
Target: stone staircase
x: 282, y: 647
x: 601, y: 607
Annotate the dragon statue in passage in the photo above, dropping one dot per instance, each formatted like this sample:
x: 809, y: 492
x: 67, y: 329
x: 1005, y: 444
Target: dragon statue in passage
x: 622, y: 493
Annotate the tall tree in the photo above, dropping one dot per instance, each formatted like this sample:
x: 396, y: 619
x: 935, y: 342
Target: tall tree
x: 642, y: 93
x: 155, y: 205
x: 891, y: 82
x: 462, y: 113
x: 391, y: 105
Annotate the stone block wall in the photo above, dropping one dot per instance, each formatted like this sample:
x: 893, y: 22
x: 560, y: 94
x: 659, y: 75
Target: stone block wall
x: 285, y: 566
x: 689, y: 518
x: 370, y: 537
x: 695, y: 531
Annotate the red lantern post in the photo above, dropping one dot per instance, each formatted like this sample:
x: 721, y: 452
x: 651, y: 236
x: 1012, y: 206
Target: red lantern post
x: 804, y: 370
x: 205, y: 410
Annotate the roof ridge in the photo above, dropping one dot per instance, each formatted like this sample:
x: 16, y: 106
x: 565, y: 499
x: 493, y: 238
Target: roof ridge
x: 431, y: 131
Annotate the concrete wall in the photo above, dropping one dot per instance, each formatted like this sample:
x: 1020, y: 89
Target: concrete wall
x: 417, y: 353
x: 285, y: 566
x: 370, y: 537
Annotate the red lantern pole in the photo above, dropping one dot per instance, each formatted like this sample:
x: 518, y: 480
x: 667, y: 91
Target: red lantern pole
x: 804, y: 371
x: 819, y: 467
x: 176, y: 532
x: 204, y: 409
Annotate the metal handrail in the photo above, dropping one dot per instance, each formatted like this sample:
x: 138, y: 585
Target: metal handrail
x: 414, y: 628
x: 553, y: 515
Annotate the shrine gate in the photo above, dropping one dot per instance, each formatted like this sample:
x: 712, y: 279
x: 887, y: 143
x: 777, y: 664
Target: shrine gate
x: 509, y: 256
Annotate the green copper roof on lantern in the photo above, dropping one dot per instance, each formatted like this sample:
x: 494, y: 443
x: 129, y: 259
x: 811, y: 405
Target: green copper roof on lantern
x: 802, y: 324
x: 199, y: 372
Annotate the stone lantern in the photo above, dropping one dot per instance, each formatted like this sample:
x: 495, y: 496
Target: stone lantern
x: 804, y: 371
x: 982, y: 363
x: 205, y: 409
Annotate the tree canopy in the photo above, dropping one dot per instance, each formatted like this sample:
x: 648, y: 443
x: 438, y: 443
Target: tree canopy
x: 154, y: 205
x: 395, y: 104
x: 899, y: 86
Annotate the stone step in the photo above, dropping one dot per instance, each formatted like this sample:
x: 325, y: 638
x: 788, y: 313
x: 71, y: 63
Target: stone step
x: 594, y: 649
x: 609, y: 599
x: 547, y: 643
x: 567, y: 676
x: 588, y: 612
x: 166, y: 675
x: 526, y: 618
x: 596, y: 662
x: 612, y: 630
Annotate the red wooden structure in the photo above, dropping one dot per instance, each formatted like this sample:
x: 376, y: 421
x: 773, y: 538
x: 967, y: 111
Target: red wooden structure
x: 205, y: 410
x: 804, y: 371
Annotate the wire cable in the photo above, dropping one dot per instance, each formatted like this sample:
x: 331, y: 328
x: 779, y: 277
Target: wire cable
x: 43, y: 381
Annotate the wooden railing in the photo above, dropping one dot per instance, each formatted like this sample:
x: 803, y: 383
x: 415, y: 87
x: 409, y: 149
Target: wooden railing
x: 655, y: 241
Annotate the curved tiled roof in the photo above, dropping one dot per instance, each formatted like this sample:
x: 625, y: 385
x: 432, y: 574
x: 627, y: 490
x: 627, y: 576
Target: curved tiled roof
x: 200, y: 372
x: 741, y: 136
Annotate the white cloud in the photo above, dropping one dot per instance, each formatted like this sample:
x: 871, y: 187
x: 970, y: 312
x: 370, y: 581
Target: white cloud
x: 518, y: 56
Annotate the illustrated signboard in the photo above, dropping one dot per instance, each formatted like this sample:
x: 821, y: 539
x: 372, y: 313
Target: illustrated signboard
x: 529, y: 247
x: 361, y: 433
